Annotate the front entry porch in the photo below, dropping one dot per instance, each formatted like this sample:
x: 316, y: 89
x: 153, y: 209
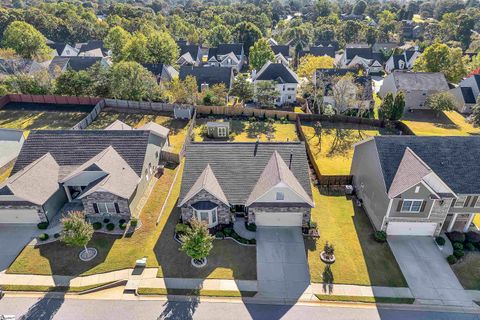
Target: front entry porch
x: 462, y: 222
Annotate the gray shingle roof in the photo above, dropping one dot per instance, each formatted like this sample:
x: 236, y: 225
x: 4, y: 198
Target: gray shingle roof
x: 75, y: 147
x: 208, y: 75
x: 453, y: 159
x: 283, y: 49
x: 468, y: 95
x: 434, y: 81
x: 239, y: 165
x: 277, y: 72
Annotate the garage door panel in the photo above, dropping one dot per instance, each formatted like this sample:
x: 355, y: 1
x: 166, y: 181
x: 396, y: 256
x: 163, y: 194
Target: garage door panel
x: 411, y: 228
x: 279, y: 219
x: 19, y: 216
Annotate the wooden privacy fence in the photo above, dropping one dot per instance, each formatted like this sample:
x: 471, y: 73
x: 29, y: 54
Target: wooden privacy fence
x: 177, y: 157
x: 85, y: 122
x: 50, y: 99
x: 243, y: 111
x: 143, y: 105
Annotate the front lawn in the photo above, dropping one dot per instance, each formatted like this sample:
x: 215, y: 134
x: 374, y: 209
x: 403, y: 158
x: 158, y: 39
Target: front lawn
x: 227, y: 260
x: 248, y: 131
x: 467, y: 270
x: 333, y: 151
x: 428, y: 123
x: 178, y: 128
x: 360, y: 260
x: 6, y: 173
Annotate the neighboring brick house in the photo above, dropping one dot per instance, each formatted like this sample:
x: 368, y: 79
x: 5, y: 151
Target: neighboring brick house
x: 268, y: 183
x: 416, y: 86
x: 418, y: 186
x: 106, y: 170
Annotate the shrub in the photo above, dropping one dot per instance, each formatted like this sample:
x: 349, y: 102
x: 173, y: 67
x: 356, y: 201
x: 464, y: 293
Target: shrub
x: 42, y: 225
x: 251, y: 227
x: 456, y: 236
x: 56, y: 235
x: 181, y: 228
x: 252, y: 241
x: 134, y: 222
x: 457, y: 246
x: 106, y: 220
x: 312, y: 224
x: 219, y: 235
x: 470, y: 246
x: 452, y: 259
x: 440, y: 241
x: 121, y: 221
x: 228, y: 231
x: 97, y: 225
x: 43, y: 237
x: 458, y: 253
x: 122, y: 226
x: 473, y: 237
x: 380, y: 236
x: 110, y: 226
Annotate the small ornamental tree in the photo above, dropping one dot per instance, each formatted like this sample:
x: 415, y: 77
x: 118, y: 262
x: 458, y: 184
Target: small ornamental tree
x: 441, y: 101
x: 329, y: 250
x: 197, y: 241
x: 476, y: 115
x: 76, y: 231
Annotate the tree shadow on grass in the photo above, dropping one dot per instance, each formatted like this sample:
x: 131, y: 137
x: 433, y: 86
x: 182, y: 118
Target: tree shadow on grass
x: 440, y: 120
x: 257, y: 128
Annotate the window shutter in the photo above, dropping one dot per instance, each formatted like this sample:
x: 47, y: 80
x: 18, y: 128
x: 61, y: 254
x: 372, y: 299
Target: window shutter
x: 95, y: 208
x: 467, y: 201
x: 117, y: 209
x: 474, y: 201
x: 399, y: 206
x: 424, y: 204
x: 453, y: 203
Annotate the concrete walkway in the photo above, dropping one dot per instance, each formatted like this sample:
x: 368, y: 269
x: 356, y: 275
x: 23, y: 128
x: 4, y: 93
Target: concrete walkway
x: 241, y: 230
x: 428, y: 274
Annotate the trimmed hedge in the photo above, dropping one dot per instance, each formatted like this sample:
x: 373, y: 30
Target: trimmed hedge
x: 470, y: 246
x: 97, y: 225
x: 106, y: 220
x: 251, y: 227
x: 440, y: 241
x: 42, y: 225
x: 181, y: 228
x: 43, y: 237
x: 228, y: 232
x: 380, y: 236
x: 134, y: 222
x: 473, y: 237
x: 456, y: 236
x: 110, y: 226
x: 122, y: 226
x: 452, y: 259
x: 457, y: 246
x: 458, y: 253
x: 219, y: 235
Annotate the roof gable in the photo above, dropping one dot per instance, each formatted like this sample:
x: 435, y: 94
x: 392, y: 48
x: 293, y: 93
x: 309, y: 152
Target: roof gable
x: 209, y: 183
x: 276, y: 71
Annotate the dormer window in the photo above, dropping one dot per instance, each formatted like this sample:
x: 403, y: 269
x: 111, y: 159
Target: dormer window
x: 280, y: 196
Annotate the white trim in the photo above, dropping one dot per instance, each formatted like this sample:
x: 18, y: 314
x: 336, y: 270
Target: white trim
x: 469, y: 222
x: 463, y: 203
x: 412, y: 201
x: 452, y: 222
x: 477, y: 203
x: 211, y: 214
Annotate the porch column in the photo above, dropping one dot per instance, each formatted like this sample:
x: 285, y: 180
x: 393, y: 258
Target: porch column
x: 452, y: 222
x: 67, y: 191
x: 469, y: 222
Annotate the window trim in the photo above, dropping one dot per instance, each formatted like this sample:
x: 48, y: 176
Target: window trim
x: 456, y: 205
x: 211, y: 214
x: 282, y: 196
x: 477, y: 203
x: 222, y: 131
x: 104, y: 205
x: 402, y: 210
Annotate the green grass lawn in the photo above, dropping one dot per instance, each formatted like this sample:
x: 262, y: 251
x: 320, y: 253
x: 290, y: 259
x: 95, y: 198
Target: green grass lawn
x: 6, y: 173
x: 360, y: 260
x: 178, y: 128
x: 34, y: 288
x: 428, y: 123
x: 467, y: 270
x: 190, y: 292
x: 334, y: 151
x: 363, y: 299
x: 246, y: 131
x: 31, y: 120
x: 227, y: 260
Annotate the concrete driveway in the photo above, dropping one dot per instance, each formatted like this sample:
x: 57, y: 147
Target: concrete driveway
x: 13, y: 238
x: 282, y: 268
x: 430, y: 278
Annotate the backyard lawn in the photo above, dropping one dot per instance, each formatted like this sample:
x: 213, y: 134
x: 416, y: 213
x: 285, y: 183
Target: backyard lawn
x: 31, y: 120
x: 178, y: 128
x: 246, y: 131
x: 427, y: 123
x: 6, y: 173
x: 227, y: 260
x: 468, y: 270
x: 334, y: 151
x: 360, y: 260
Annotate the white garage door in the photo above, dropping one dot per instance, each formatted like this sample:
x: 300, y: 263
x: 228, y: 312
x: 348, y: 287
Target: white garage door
x: 411, y: 228
x: 278, y: 219
x: 19, y: 216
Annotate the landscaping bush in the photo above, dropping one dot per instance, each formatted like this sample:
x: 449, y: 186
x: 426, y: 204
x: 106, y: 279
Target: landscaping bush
x: 97, y: 225
x: 251, y: 227
x: 181, y: 228
x: 312, y: 224
x: 106, y: 220
x: 252, y: 241
x: 110, y: 226
x: 458, y: 246
x: 43, y: 237
x: 122, y: 226
x: 42, y: 225
x: 134, y: 222
x: 440, y: 241
x: 56, y: 235
x: 121, y: 221
x: 470, y: 246
x: 228, y: 231
x: 219, y: 235
x: 456, y: 236
x: 458, y: 253
x: 380, y: 236
x: 452, y: 259
x: 473, y: 237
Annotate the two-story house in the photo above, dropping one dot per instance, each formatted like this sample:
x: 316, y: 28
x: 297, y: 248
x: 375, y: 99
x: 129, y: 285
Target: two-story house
x: 403, y: 61
x: 63, y: 49
x: 420, y: 186
x: 416, y: 86
x: 207, y: 77
x: 286, y: 81
x: 360, y: 54
x: 467, y: 93
x: 227, y: 55
x: 190, y: 54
